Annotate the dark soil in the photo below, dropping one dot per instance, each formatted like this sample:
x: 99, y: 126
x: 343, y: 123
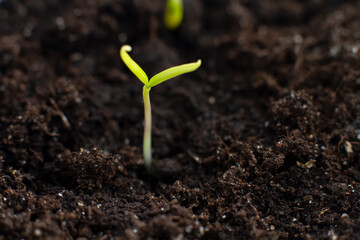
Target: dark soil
x: 262, y: 142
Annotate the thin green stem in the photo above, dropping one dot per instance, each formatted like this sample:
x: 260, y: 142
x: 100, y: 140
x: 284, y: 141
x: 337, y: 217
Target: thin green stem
x: 147, y: 129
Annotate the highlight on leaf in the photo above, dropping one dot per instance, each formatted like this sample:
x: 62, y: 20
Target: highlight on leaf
x: 173, y: 72
x: 132, y: 65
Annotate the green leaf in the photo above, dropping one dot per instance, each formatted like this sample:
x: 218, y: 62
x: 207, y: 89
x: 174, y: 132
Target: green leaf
x: 173, y: 72
x: 132, y: 65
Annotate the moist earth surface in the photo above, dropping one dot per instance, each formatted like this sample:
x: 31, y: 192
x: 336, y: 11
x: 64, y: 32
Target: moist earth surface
x: 262, y: 142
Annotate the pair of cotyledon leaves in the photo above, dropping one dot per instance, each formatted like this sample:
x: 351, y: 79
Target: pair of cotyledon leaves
x: 160, y: 77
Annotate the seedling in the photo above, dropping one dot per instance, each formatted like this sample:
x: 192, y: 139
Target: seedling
x: 148, y: 84
x: 173, y: 14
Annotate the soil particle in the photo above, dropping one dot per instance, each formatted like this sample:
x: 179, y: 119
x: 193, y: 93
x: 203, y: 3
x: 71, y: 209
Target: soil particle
x: 88, y: 170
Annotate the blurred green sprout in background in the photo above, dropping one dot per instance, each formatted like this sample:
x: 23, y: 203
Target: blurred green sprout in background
x: 173, y: 14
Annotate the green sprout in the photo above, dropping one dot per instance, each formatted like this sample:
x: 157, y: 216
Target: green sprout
x: 173, y: 14
x: 148, y: 84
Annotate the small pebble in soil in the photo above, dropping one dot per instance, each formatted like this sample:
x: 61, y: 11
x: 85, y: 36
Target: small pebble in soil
x: 37, y: 232
x: 332, y: 235
x: 201, y: 230
x: 354, y: 50
x: 298, y: 39
x: 211, y: 100
x: 179, y: 237
x: 266, y: 124
x: 334, y: 51
x: 348, y: 147
x: 60, y: 23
